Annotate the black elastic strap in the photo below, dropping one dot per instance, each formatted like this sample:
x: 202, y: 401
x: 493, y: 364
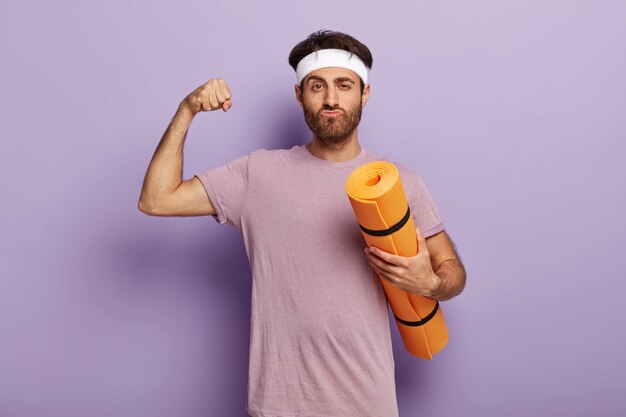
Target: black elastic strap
x: 420, y: 322
x: 392, y: 229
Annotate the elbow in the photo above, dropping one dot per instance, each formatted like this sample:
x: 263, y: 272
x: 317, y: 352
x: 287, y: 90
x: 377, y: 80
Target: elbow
x: 141, y: 205
x: 154, y: 207
x: 460, y: 287
x: 453, y: 280
x: 146, y: 208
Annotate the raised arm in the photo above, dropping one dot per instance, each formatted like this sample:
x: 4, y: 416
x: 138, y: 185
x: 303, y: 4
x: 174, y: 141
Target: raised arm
x: 164, y: 193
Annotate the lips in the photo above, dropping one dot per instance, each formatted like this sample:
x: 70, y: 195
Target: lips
x: 331, y: 113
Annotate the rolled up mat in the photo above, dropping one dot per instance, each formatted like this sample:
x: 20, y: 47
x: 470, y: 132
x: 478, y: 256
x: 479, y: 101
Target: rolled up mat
x: 382, y: 210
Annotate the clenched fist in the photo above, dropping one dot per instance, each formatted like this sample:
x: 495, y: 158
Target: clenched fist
x: 213, y: 95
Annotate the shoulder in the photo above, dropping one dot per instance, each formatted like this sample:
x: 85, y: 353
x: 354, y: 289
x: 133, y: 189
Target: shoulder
x: 271, y: 162
x: 409, y: 176
x: 406, y: 173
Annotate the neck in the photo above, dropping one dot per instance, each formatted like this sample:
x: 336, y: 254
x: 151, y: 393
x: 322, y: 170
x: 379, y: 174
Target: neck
x: 343, y: 152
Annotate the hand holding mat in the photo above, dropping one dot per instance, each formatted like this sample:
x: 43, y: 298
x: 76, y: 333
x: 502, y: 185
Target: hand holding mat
x: 382, y: 210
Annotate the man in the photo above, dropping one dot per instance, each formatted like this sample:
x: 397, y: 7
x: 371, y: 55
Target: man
x: 320, y: 340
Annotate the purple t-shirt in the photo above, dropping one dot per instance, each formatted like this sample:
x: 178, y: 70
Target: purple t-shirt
x: 320, y: 342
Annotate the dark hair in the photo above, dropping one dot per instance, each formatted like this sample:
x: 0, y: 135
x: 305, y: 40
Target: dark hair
x: 325, y: 39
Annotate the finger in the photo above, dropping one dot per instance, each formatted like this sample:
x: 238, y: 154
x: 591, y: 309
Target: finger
x: 203, y: 99
x: 420, y: 239
x: 227, y: 94
x: 388, y: 257
x: 213, y: 99
x: 219, y: 93
x: 389, y: 268
x: 227, y: 105
x: 421, y: 242
x: 382, y: 274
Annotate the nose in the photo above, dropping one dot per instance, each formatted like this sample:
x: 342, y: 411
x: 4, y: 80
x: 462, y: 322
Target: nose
x: 330, y: 97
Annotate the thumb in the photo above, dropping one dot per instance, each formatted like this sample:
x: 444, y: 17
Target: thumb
x: 421, y: 242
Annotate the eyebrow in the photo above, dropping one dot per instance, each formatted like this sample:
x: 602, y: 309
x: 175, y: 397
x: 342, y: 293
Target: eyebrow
x: 337, y: 80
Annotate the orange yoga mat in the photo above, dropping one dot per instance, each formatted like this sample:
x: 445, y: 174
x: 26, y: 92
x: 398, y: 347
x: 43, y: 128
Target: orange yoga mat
x: 382, y: 210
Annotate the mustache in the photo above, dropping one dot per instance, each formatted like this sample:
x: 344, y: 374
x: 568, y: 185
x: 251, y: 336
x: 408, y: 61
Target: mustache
x: 332, y: 109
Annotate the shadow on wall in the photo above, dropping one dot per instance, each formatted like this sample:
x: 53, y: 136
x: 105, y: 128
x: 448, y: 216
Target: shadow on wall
x: 193, y: 280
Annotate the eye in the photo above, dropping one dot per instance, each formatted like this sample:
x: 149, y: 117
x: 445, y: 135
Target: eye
x: 315, y: 86
x: 345, y: 86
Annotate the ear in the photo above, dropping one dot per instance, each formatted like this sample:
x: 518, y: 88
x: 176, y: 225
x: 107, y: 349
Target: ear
x: 298, y: 94
x: 365, y: 95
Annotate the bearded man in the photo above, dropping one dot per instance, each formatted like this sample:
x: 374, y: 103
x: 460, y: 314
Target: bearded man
x: 320, y: 341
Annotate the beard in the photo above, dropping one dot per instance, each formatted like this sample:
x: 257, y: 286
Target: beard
x: 333, y: 131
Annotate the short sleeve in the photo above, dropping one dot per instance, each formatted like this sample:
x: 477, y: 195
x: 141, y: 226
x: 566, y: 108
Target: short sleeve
x: 424, y: 209
x: 227, y: 187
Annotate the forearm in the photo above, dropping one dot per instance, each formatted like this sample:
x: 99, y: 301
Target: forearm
x: 450, y: 276
x: 165, y: 171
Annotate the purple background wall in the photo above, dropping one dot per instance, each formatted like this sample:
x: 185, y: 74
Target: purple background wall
x: 513, y: 113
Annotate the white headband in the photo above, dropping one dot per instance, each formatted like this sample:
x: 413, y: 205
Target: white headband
x: 330, y: 58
